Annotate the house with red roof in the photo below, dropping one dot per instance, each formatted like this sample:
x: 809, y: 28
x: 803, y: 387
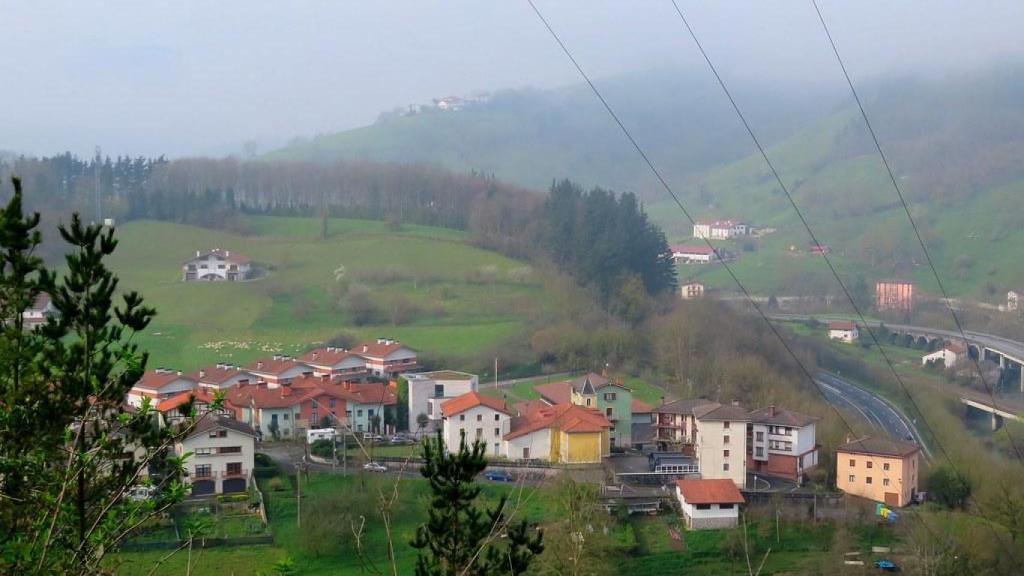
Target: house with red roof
x: 222, y: 456
x: 336, y: 363
x: 477, y: 418
x: 843, y: 330
x: 185, y: 404
x: 720, y: 229
x: 693, y: 253
x: 564, y: 433
x: 387, y: 358
x: 278, y: 370
x: 709, y: 504
x: 217, y: 265
x: 951, y: 354
x: 222, y: 376
x: 610, y: 396
x: 159, y: 384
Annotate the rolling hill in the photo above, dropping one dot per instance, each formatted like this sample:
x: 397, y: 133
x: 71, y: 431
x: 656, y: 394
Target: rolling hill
x: 531, y: 137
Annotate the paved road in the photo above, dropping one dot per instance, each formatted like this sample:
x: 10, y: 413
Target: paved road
x: 877, y: 411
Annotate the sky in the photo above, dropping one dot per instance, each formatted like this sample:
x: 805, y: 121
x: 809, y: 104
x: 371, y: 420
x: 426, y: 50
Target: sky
x: 194, y: 78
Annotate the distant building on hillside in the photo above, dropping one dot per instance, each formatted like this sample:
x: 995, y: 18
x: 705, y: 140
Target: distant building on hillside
x: 720, y: 229
x: 1013, y: 301
x: 691, y: 290
x: 429, y: 390
x: 894, y: 296
x: 691, y: 254
x: 843, y: 330
x: 950, y: 355
x: 215, y: 265
x: 878, y: 469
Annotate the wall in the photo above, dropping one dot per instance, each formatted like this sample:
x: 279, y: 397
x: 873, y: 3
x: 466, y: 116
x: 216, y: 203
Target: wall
x: 538, y: 441
x: 902, y: 475
x: 421, y: 390
x: 455, y: 425
x: 218, y: 462
x: 711, y: 446
x: 583, y: 447
x: 622, y: 409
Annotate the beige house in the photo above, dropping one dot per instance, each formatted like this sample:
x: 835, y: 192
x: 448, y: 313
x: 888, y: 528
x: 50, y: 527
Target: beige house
x: 217, y: 265
x: 222, y: 455
x: 879, y: 469
x: 691, y: 290
x: 721, y: 442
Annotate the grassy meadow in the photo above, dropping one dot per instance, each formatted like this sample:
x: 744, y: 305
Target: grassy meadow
x: 432, y: 290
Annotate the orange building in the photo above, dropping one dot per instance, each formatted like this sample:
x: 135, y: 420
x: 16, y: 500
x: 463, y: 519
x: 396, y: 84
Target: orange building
x: 878, y: 469
x: 894, y: 296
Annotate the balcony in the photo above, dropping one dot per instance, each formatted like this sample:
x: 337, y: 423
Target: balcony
x: 240, y: 473
x: 214, y: 474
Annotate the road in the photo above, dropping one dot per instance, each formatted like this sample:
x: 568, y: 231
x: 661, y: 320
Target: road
x: 875, y: 410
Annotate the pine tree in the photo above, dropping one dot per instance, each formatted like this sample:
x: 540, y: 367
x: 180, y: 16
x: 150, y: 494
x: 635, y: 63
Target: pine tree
x: 459, y: 537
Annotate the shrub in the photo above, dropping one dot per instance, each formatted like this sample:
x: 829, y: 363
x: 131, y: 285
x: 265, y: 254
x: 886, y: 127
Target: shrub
x: 275, y: 484
x: 261, y: 459
x: 322, y: 448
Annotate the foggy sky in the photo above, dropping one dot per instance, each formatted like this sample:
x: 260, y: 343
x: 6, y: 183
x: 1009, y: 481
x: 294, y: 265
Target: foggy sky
x: 187, y: 78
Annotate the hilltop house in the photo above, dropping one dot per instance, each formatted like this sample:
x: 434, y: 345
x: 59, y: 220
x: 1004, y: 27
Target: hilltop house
x: 1013, y: 301
x: 950, y: 355
x: 878, y: 469
x: 477, y: 418
x: 215, y: 265
x: 387, y: 358
x: 720, y: 229
x: 564, y: 433
x: 429, y: 390
x: 691, y: 290
x: 336, y: 363
x: 222, y: 456
x: 721, y: 441
x: 781, y: 443
x: 675, y: 425
x: 843, y: 330
x: 611, y: 398
x: 159, y: 384
x: 709, y: 504
x: 693, y: 254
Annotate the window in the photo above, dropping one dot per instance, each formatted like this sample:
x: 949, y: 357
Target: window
x: 204, y: 471
x: 204, y: 451
x: 870, y: 464
x: 330, y: 403
x: 314, y: 404
x: 479, y: 432
x: 526, y: 453
x: 885, y: 466
x: 853, y: 463
x: 725, y: 453
x: 608, y: 412
x: 313, y: 416
x: 285, y: 415
x: 851, y: 478
x: 725, y: 467
x: 497, y: 431
x: 759, y: 451
x: 725, y: 425
x: 359, y: 413
x: 219, y: 434
x: 234, y: 468
x: 370, y: 412
x: 703, y: 506
x: 229, y: 450
x: 497, y: 417
x: 885, y: 481
x: 438, y: 390
x: 462, y: 417
x: 609, y: 397
x: 725, y: 506
x: 430, y: 409
x: 760, y: 436
x: 588, y: 401
x: 867, y: 480
x: 479, y: 417
x: 725, y: 439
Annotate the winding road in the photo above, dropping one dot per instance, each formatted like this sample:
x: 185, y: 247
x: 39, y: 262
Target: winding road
x: 875, y: 410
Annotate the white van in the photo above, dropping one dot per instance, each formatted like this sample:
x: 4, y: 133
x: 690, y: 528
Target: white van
x: 315, y: 434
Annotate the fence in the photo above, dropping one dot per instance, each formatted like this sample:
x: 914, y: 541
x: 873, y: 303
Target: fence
x: 197, y: 543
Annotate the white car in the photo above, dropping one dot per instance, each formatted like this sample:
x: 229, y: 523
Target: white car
x: 140, y: 493
x: 375, y: 467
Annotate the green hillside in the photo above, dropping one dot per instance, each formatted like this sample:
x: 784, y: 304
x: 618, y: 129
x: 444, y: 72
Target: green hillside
x: 431, y: 288
x: 955, y: 146
x: 531, y: 137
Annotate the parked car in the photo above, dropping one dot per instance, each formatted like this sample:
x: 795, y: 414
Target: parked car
x: 373, y: 437
x: 499, y: 476
x: 375, y: 467
x: 400, y: 439
x: 886, y: 566
x: 140, y: 493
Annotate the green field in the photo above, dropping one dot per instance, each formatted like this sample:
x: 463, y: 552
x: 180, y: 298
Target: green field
x: 456, y: 300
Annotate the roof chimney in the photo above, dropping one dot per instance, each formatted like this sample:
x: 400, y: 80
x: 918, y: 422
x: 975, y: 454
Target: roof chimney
x: 227, y: 253
x: 259, y: 364
x: 179, y: 372
x: 202, y: 373
x: 365, y: 348
x: 771, y: 411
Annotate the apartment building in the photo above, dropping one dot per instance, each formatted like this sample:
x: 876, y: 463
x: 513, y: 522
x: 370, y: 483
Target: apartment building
x: 476, y: 418
x: 222, y: 456
x: 675, y: 425
x: 879, y: 469
x: 721, y: 442
x: 781, y: 443
x: 429, y: 390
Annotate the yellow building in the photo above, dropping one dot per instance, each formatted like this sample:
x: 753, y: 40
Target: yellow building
x: 564, y: 433
x: 879, y: 469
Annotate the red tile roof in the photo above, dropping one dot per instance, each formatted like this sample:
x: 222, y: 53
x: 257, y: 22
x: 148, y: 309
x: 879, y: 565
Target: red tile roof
x: 226, y: 255
x: 155, y: 380
x: 956, y: 348
x: 309, y: 387
x: 841, y: 325
x: 692, y: 249
x: 199, y: 394
x: 472, y: 400
x: 710, y: 491
x: 377, y: 349
x: 640, y: 407
x: 555, y: 392
x: 326, y: 356
x: 879, y: 447
x: 274, y: 366
x: 567, y: 417
x: 264, y: 397
x: 217, y: 374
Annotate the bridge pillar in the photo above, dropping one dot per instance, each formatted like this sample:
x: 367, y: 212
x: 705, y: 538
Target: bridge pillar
x: 1002, y: 362
x: 997, y: 421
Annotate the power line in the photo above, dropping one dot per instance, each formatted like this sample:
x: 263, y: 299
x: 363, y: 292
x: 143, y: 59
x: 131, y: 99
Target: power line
x: 679, y: 203
x: 910, y: 216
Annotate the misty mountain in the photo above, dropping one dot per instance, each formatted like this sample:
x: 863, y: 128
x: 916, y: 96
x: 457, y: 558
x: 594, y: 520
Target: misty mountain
x: 531, y: 137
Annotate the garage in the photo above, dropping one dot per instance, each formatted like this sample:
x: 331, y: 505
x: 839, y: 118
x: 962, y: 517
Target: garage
x: 233, y: 485
x: 203, y: 487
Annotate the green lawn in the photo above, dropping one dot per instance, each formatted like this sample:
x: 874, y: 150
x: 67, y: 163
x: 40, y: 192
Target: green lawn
x: 463, y: 300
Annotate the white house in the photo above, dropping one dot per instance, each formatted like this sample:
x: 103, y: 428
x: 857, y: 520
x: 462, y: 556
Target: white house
x: 692, y: 254
x: 782, y: 443
x: 1012, y: 301
x: 843, y: 330
x: 950, y: 355
x: 386, y: 358
x: 478, y: 418
x: 278, y: 370
x: 159, y: 384
x: 691, y: 291
x: 336, y: 363
x: 39, y: 311
x: 721, y: 442
x: 720, y: 229
x: 222, y: 377
x: 709, y: 504
x: 429, y: 390
x: 222, y: 455
x: 215, y: 265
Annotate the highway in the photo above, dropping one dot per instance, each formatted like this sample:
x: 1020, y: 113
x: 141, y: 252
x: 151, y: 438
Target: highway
x: 875, y: 410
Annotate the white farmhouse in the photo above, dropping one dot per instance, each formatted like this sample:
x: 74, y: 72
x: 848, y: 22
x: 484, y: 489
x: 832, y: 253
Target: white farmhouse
x: 709, y: 504
x: 782, y: 443
x: 693, y: 254
x: 720, y: 229
x: 477, y: 418
x: 843, y: 330
x: 429, y: 390
x: 721, y: 443
x: 950, y: 355
x: 216, y: 265
x: 41, y: 309
x: 159, y: 384
x: 222, y: 455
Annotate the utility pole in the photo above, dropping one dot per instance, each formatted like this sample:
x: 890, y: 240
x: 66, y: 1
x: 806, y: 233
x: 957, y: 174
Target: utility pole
x: 495, y: 372
x: 96, y: 178
x: 298, y: 494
